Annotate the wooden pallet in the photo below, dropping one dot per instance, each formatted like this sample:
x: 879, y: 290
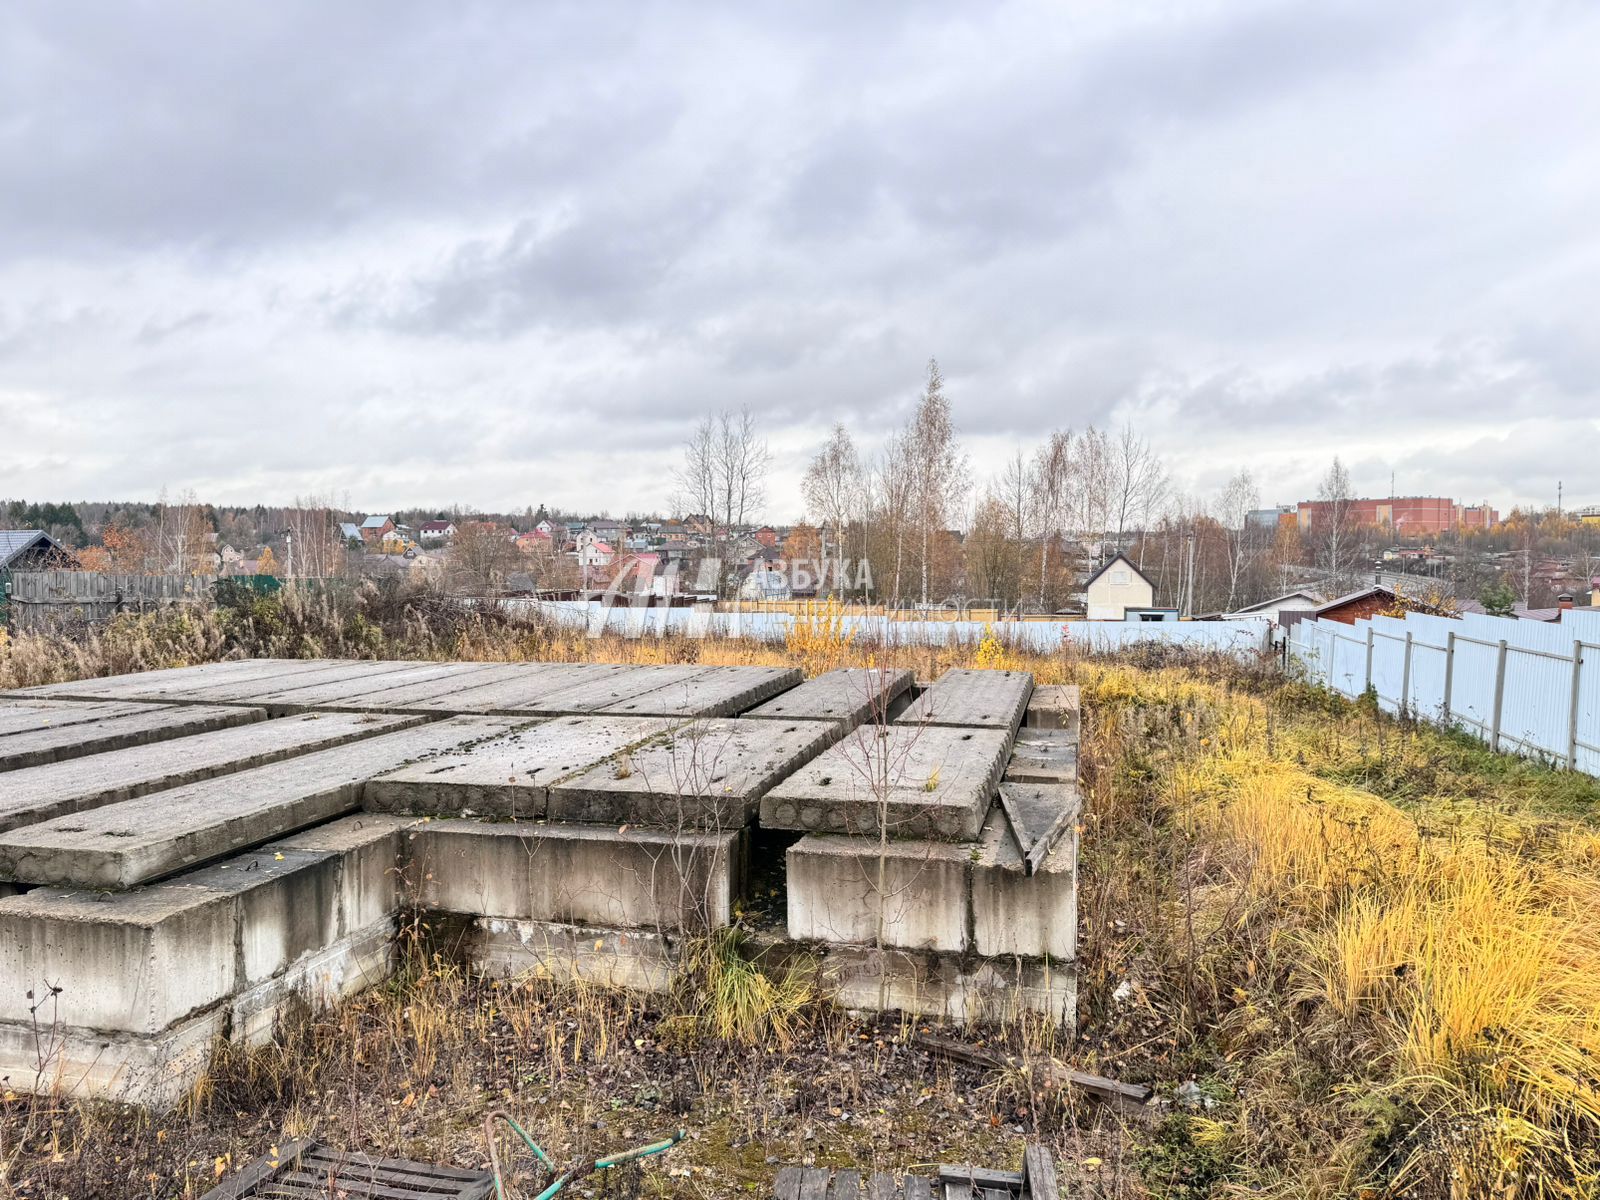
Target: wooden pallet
x: 314, y: 1171
x: 1036, y: 1181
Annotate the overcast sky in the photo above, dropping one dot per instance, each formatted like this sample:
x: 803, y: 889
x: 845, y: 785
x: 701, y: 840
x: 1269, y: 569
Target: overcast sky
x: 506, y: 254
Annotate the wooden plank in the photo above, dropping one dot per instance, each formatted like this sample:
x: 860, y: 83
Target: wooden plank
x: 917, y: 1188
x: 1052, y: 1073
x: 1039, y: 1173
x: 981, y: 1177
x: 813, y: 1183
x: 846, y: 1185
x: 787, y: 1185
x: 882, y: 1186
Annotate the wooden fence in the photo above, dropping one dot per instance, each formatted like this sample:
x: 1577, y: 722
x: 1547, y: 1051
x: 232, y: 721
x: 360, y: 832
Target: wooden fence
x: 43, y: 600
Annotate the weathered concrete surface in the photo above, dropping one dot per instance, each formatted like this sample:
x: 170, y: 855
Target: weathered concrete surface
x: 584, y: 874
x: 520, y: 686
x: 133, y: 841
x: 125, y: 727
x: 907, y: 894
x: 149, y: 978
x: 154, y: 685
x: 295, y: 694
x: 955, y: 987
x: 608, y: 690
x: 640, y: 960
x: 973, y: 699
x: 511, y: 775
x: 1039, y: 815
x: 920, y: 781
x: 1053, y: 706
x: 31, y: 715
x: 716, y: 692
x: 43, y: 793
x: 1017, y: 914
x: 241, y: 691
x: 707, y: 774
x: 850, y: 696
x: 1044, y: 756
x: 429, y: 696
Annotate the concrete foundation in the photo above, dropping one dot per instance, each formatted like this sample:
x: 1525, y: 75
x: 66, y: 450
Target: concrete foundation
x: 638, y: 959
x: 576, y: 874
x: 1044, y: 756
x: 908, y: 894
x: 1054, y: 706
x: 963, y: 989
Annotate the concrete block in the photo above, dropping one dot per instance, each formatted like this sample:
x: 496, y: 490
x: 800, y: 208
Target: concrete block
x: 136, y: 962
x: 131, y: 842
x: 369, y: 848
x: 849, y: 696
x: 636, y: 959
x: 1017, y: 914
x: 707, y: 774
x: 973, y: 699
x: 841, y: 888
x: 243, y: 691
x: 921, y: 781
x: 146, y: 685
x: 28, y: 715
x: 155, y: 1071
x: 1044, y: 756
x: 611, y: 691
x: 146, y: 724
x: 1053, y: 706
x: 53, y: 790
x: 952, y: 987
x: 297, y: 695
x: 509, y: 776
x: 434, y: 696
x: 638, y: 878
x: 520, y: 687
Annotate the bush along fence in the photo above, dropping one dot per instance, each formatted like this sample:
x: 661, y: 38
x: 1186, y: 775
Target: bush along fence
x: 1527, y: 687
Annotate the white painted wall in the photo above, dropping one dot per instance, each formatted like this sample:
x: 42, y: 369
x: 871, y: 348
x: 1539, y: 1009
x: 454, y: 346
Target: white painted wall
x: 1115, y: 591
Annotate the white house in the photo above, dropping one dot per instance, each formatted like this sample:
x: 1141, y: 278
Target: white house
x: 437, y: 531
x: 1299, y: 600
x: 1115, y: 588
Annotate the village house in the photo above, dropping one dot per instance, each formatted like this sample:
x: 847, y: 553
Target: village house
x: 436, y: 531
x: 374, y: 529
x: 1116, y: 588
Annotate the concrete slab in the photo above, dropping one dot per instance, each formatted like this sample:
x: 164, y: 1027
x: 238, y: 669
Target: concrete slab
x: 952, y: 987
x: 717, y: 692
x: 605, y: 691
x: 706, y: 774
x: 432, y: 696
x: 907, y: 894
x: 1044, y: 756
x: 509, y: 776
x: 301, y: 697
x: 1040, y: 815
x: 973, y: 698
x: 638, y: 878
x: 140, y: 725
x: 1015, y: 913
x: 920, y: 781
x: 43, y: 793
x: 31, y: 715
x: 526, y: 684
x: 242, y: 691
x: 128, y: 843
x: 1053, y: 706
x: 154, y: 684
x: 849, y: 696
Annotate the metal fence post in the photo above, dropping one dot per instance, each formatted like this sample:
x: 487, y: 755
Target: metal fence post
x: 1572, y: 714
x: 1449, y: 670
x: 1405, y: 676
x: 1369, y: 660
x: 1499, y: 694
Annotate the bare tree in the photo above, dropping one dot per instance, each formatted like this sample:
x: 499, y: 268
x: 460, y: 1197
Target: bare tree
x: 1093, y: 473
x: 1337, y: 535
x: 724, y: 475
x: 1233, y: 511
x: 1051, y: 480
x: 938, y: 468
x: 833, y: 493
x: 1137, y: 480
x: 1017, y: 495
x: 893, y: 486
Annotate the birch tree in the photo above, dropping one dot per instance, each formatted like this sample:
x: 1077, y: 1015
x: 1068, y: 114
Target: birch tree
x: 1243, y: 544
x: 1051, y: 479
x: 724, y: 475
x: 938, y: 468
x: 832, y: 489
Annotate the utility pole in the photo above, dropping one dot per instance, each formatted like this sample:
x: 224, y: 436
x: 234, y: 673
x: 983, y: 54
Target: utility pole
x: 1188, y: 605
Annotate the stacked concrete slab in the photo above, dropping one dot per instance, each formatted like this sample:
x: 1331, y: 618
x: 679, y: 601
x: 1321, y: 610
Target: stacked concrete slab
x: 930, y: 877
x: 184, y: 851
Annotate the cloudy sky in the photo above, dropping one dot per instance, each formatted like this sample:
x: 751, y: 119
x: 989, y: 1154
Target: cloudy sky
x: 507, y: 254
